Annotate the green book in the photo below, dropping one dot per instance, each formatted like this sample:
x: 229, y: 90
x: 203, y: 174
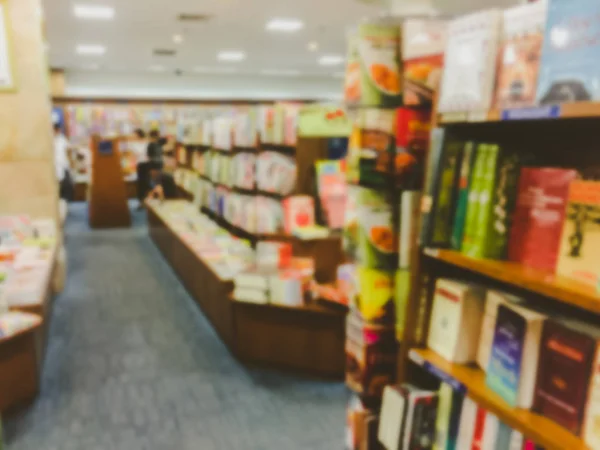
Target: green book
x: 401, y: 296
x: 442, y: 421
x: 445, y: 201
x: 483, y: 222
x: 472, y: 210
x: 464, y: 184
x: 431, y: 178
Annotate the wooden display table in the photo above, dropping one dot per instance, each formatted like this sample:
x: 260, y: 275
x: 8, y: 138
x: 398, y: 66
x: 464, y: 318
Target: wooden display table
x: 307, y: 340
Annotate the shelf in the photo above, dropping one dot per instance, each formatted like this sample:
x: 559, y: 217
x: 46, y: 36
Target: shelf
x: 547, y: 112
x: 273, y: 195
x: 289, y: 150
x: 472, y: 381
x: 548, y: 284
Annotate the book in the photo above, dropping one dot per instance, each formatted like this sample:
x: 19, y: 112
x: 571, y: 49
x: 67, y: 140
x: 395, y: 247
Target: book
x: 539, y: 216
x: 431, y: 182
x: 479, y: 428
x: 581, y: 230
x: 249, y: 295
x: 464, y: 186
x: 444, y: 416
x: 375, y: 299
x: 493, y: 300
x: 466, y: 428
x: 252, y: 280
x: 446, y: 195
x: 503, y: 437
x: 490, y: 432
x: 413, y: 131
x: 299, y: 211
x: 402, y: 294
x: 392, y: 417
x: 570, y: 70
x: 456, y: 320
x: 410, y: 203
x: 472, y: 212
x: 468, y: 81
x: 520, y: 54
x: 567, y: 367
x: 286, y: 288
x: 513, y: 365
x: 454, y: 424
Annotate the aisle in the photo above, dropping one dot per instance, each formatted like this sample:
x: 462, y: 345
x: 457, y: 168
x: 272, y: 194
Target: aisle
x: 132, y: 364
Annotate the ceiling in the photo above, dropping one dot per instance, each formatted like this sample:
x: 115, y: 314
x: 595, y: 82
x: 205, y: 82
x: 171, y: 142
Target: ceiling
x: 140, y: 26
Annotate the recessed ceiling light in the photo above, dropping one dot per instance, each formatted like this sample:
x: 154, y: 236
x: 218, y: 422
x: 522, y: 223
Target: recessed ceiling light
x: 331, y: 60
x: 157, y: 68
x: 280, y: 72
x: 285, y: 25
x: 231, y: 55
x: 313, y: 46
x: 178, y: 38
x: 91, y: 49
x: 97, y: 12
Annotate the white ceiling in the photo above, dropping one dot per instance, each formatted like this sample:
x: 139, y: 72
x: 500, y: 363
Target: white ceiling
x: 140, y: 26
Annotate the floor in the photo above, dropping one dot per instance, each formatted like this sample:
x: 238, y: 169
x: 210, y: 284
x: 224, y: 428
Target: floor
x: 132, y: 364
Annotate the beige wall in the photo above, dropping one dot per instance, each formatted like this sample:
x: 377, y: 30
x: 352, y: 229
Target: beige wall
x: 27, y: 180
x: 57, y: 83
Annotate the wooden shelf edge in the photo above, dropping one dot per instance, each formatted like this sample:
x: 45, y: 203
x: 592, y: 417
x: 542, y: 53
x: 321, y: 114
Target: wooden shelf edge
x: 471, y: 380
x: 547, y: 284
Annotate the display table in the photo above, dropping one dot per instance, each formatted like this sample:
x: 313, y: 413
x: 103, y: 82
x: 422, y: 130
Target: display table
x: 307, y: 340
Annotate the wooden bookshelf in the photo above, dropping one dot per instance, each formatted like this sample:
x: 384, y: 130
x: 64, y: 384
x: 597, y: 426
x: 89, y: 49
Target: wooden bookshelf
x: 544, y: 112
x: 545, y: 283
x: 471, y: 380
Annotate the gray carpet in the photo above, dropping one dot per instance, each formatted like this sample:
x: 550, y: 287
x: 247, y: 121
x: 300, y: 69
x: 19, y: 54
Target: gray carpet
x: 133, y: 364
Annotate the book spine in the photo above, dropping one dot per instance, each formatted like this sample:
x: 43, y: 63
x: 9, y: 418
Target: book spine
x: 467, y: 425
x: 442, y: 422
x: 466, y: 172
x: 484, y: 215
x: 591, y: 431
x: 453, y: 426
x: 470, y: 225
x: 409, y: 218
x: 480, y: 421
x: 431, y: 182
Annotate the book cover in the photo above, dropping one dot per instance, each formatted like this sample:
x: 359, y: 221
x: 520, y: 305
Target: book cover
x: 520, y: 55
x: 250, y: 295
x: 456, y: 320
x: 466, y: 427
x: 401, y: 297
x: 539, y: 216
x: 464, y: 186
x: 410, y: 203
x: 567, y: 352
x: 420, y: 421
x: 392, y: 417
x: 299, y: 211
x: 472, y: 212
x: 445, y: 201
x: 503, y: 437
x: 479, y: 428
x: 570, y: 70
x: 377, y: 141
x: 453, y: 426
x: 490, y: 432
x: 413, y: 131
x: 431, y: 183
x: 513, y: 365
x: 375, y: 295
x: 444, y: 415
x: 581, y: 234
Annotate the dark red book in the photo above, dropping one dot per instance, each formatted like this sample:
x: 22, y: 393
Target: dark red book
x: 539, y: 216
x: 567, y: 352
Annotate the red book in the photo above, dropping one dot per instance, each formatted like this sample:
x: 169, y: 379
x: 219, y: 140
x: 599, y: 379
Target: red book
x: 479, y: 429
x: 539, y: 216
x: 567, y: 353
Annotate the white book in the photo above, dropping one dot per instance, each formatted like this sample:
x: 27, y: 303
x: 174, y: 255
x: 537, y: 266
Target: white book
x: 251, y: 296
x: 466, y: 427
x: 490, y: 432
x: 251, y: 280
x: 456, y: 320
x: 391, y: 418
x: 409, y: 216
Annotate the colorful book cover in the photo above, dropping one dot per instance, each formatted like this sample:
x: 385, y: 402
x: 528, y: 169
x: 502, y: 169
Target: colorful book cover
x: 486, y: 198
x: 464, y: 186
x: 420, y: 421
x: 565, y: 368
x: 472, y: 212
x: 377, y: 146
x: 431, y: 183
x: 504, y: 369
x: 299, y: 211
x: 570, y: 69
x: 352, y: 80
x: 520, y: 55
x: 445, y: 202
x: 413, y: 130
x: 376, y: 295
x: 539, y: 216
x: 402, y: 295
x: 378, y: 47
x: 578, y: 253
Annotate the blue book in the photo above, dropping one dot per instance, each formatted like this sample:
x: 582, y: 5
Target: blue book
x: 503, y: 437
x: 570, y: 66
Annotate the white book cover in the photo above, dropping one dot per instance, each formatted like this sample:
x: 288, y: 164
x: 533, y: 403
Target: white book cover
x: 252, y: 280
x: 391, y: 418
x: 490, y: 432
x: 456, y: 320
x: 466, y: 427
x: 251, y: 296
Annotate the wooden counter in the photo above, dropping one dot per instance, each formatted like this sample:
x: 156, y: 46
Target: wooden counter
x: 307, y: 340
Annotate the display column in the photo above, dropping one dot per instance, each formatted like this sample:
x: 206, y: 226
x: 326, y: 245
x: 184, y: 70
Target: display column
x: 28, y: 182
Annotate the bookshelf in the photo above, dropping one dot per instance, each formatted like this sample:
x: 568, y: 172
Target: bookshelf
x: 471, y: 381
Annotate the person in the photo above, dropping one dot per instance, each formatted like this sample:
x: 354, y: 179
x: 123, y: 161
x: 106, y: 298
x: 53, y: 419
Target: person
x: 154, y: 152
x: 61, y: 164
x: 155, y: 148
x: 161, y: 179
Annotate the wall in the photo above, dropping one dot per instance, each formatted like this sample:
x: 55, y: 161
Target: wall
x: 202, y: 86
x: 27, y: 179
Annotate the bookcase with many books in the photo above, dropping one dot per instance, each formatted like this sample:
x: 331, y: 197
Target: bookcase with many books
x: 502, y: 326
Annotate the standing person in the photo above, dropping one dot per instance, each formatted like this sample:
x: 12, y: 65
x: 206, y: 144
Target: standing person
x: 155, y: 149
x: 62, y: 165
x: 154, y: 162
x: 162, y: 181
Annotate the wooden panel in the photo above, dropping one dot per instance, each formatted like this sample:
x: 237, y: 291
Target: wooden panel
x: 108, y: 206
x: 18, y: 371
x: 327, y: 254
x: 540, y: 429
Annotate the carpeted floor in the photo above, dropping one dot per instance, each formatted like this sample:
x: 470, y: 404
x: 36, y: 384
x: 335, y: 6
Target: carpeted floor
x: 133, y: 364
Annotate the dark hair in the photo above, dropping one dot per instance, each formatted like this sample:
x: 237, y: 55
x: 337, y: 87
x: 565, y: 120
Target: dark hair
x: 154, y: 134
x: 57, y: 127
x: 140, y: 133
x: 163, y: 141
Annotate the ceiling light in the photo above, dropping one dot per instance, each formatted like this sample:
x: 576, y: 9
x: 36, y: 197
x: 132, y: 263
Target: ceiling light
x: 178, y: 38
x: 280, y: 72
x: 91, y: 49
x: 313, y: 46
x: 157, y: 68
x: 96, y: 12
x: 231, y: 56
x: 331, y: 60
x: 285, y: 25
